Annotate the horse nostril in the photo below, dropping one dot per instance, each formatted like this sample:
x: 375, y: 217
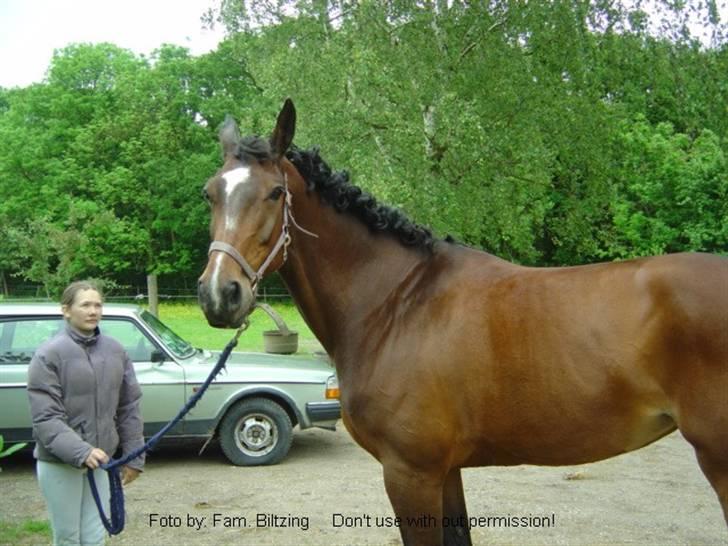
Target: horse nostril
x: 202, y: 293
x: 232, y: 293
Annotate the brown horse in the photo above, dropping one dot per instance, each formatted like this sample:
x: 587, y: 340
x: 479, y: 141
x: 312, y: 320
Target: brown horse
x: 449, y: 357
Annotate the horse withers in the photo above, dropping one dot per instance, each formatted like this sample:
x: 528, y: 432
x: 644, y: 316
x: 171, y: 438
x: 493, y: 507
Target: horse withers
x: 449, y: 357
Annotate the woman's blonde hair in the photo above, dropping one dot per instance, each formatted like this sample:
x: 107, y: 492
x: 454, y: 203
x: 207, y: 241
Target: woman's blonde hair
x: 69, y: 294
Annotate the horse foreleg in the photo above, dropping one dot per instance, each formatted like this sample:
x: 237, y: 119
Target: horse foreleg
x: 455, y: 515
x: 416, y: 498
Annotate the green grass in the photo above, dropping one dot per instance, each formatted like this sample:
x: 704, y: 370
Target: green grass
x: 188, y: 321
x: 26, y: 532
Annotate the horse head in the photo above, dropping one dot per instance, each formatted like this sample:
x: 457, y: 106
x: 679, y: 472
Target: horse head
x: 249, y: 202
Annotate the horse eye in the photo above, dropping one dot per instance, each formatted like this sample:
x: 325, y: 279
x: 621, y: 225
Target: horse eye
x: 276, y: 193
x: 205, y: 195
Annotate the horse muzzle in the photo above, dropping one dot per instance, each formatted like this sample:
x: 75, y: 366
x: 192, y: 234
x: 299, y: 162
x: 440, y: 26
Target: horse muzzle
x: 226, y: 302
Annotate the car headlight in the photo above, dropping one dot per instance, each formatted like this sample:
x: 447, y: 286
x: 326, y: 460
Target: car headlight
x: 332, y: 388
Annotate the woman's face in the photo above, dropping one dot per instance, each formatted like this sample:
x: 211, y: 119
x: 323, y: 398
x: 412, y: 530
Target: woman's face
x: 84, y: 313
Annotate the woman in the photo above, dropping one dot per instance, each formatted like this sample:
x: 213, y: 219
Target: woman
x: 84, y: 400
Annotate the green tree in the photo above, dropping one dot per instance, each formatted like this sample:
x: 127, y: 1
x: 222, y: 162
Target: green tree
x: 115, y: 148
x: 495, y: 122
x: 49, y: 254
x: 546, y: 132
x: 673, y: 192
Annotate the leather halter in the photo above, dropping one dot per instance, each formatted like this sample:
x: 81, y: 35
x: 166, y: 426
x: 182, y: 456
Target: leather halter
x: 284, y: 239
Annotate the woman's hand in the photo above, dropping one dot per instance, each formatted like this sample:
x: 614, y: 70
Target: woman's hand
x: 96, y: 458
x: 128, y: 474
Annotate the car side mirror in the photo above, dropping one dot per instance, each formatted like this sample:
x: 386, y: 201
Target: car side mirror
x: 158, y: 356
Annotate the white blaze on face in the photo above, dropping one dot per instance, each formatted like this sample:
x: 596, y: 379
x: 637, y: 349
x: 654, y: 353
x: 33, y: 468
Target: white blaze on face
x: 233, y: 179
x: 215, y: 288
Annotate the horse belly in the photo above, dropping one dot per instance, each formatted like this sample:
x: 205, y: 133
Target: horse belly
x: 563, y: 441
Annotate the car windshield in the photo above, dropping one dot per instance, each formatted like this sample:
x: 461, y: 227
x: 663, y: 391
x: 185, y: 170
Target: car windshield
x: 176, y: 344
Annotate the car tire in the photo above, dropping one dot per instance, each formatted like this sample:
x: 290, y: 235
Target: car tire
x: 255, y: 432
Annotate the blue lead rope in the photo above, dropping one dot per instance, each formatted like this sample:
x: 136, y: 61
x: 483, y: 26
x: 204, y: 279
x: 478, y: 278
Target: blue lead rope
x: 116, y: 501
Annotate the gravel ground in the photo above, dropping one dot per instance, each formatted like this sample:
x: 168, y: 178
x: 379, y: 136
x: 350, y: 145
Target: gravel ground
x: 329, y: 491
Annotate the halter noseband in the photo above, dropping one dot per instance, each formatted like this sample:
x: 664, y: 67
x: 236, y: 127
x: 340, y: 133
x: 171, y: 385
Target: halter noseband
x: 284, y: 239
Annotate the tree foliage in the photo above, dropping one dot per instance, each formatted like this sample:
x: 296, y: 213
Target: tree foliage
x: 674, y: 192
x: 501, y: 122
x: 101, y: 165
x: 545, y: 132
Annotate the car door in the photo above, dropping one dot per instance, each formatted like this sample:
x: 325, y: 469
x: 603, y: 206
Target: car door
x: 162, y: 383
x: 19, y: 338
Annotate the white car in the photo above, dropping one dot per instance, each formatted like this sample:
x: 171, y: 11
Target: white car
x: 252, y: 406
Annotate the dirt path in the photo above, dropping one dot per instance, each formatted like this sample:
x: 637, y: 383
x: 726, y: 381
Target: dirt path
x: 329, y: 491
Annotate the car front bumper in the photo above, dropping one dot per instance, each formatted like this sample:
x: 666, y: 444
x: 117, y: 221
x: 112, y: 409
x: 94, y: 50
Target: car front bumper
x: 324, y: 414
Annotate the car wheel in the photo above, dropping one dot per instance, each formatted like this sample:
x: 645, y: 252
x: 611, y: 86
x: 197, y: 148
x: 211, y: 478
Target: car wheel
x: 256, y: 432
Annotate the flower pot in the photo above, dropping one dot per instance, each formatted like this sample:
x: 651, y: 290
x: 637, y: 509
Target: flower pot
x: 282, y: 341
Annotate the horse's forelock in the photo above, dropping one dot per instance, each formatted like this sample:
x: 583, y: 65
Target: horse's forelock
x: 254, y: 148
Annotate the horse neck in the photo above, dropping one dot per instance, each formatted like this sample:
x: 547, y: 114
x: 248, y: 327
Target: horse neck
x: 341, y: 277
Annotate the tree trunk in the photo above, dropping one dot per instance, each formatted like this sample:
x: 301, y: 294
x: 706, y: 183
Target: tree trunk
x: 153, y: 294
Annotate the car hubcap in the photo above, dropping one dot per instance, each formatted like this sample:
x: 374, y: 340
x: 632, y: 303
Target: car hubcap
x: 257, y: 435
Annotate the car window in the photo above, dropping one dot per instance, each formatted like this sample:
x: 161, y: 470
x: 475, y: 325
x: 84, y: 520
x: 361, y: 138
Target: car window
x: 134, y: 340
x: 175, y: 343
x: 20, y: 338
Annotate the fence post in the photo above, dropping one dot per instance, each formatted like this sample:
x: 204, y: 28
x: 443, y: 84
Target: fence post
x: 153, y: 294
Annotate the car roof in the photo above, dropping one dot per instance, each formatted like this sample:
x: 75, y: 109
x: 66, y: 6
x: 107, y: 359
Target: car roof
x: 50, y: 308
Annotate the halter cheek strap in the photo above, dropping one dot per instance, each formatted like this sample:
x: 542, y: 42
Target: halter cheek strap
x: 283, y: 241
x: 255, y: 276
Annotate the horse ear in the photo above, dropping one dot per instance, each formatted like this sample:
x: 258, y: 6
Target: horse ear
x: 229, y: 136
x: 282, y: 135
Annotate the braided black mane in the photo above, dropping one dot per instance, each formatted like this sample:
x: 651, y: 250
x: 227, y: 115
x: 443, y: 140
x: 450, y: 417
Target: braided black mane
x: 336, y: 190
